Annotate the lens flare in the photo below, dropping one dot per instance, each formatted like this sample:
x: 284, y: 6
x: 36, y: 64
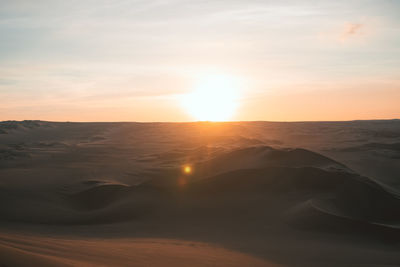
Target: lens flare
x: 187, y: 169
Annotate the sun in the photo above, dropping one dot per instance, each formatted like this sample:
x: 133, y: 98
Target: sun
x: 214, y: 98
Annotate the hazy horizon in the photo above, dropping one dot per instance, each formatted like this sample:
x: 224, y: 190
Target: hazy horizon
x: 177, y: 61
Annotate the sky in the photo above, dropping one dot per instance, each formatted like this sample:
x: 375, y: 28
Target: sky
x: 137, y: 60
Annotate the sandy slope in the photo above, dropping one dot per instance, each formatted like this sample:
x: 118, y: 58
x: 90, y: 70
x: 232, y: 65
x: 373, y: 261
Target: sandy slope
x: 43, y: 251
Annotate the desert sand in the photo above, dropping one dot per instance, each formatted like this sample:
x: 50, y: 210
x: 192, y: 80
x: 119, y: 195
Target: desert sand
x: 200, y: 194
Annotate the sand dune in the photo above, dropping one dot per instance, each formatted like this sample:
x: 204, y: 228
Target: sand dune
x: 264, y: 193
x: 262, y: 171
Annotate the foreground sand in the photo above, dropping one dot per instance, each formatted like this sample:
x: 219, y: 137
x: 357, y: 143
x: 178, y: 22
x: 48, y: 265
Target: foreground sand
x: 43, y: 251
x: 259, y: 194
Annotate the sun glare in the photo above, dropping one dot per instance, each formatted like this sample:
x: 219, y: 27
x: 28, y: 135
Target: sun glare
x: 214, y: 98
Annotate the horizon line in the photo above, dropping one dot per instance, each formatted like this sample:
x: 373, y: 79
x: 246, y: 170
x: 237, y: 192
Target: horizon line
x: 233, y: 121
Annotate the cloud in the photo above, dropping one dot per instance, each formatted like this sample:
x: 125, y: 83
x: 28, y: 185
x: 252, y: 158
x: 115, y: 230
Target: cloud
x: 359, y: 31
x: 351, y: 30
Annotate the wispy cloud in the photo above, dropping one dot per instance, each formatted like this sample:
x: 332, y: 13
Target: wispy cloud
x: 351, y: 30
